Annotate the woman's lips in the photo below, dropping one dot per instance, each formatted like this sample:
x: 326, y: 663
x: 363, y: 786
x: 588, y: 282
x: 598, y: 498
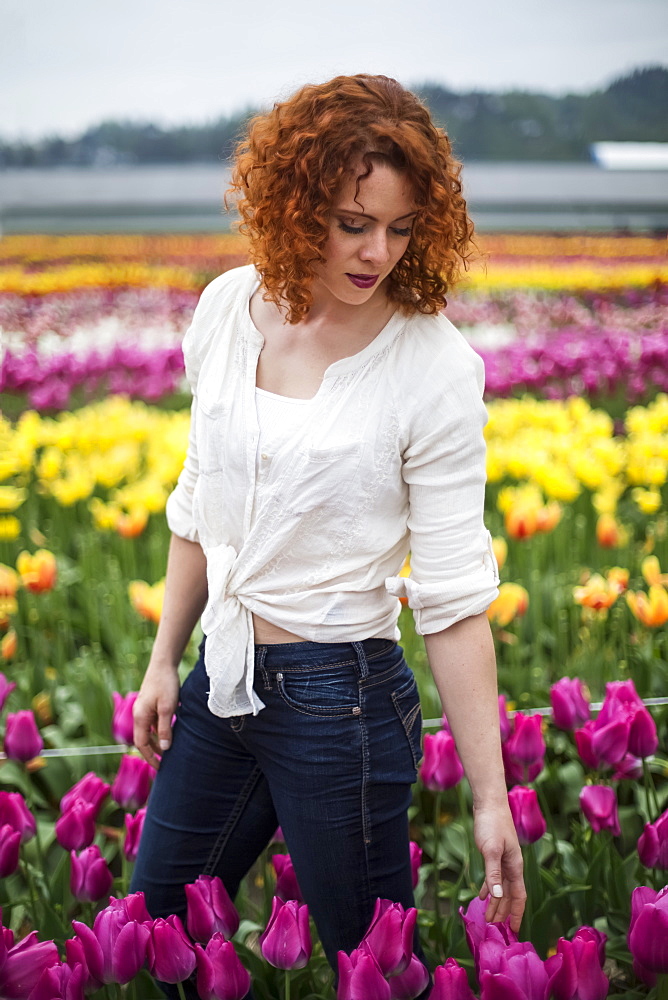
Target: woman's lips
x: 363, y: 280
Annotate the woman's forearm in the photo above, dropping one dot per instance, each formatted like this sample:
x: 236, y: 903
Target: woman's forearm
x: 184, y: 600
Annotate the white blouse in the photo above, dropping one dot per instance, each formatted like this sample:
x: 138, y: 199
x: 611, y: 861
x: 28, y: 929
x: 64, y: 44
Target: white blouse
x: 310, y: 534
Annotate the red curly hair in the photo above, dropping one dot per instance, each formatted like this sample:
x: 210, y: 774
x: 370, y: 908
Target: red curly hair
x: 291, y: 162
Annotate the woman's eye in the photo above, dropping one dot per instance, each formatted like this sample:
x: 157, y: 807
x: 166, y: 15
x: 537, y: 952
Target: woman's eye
x: 402, y: 232
x: 350, y: 229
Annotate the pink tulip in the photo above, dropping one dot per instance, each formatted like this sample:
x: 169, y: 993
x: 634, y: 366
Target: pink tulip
x: 648, y: 930
x: 527, y: 817
x: 133, y: 830
x: 622, y: 701
x: 287, y: 886
x: 504, y: 720
x: 515, y: 973
x: 599, y: 805
x: 360, y: 977
x: 629, y: 767
x: 570, y: 707
x: 411, y: 982
x: 653, y: 843
x: 24, y: 964
x: 15, y: 813
x: 220, y: 974
x: 90, y: 789
x: 609, y: 741
x: 526, y: 745
x: 122, y: 726
x: 583, y: 742
x: 451, y: 983
x: 22, y: 737
x: 6, y: 688
x: 132, y: 783
x: 390, y: 936
x: 10, y: 850
x: 90, y: 877
x: 416, y: 861
x: 76, y: 956
x: 441, y: 767
x: 75, y: 828
x: 579, y: 976
x: 478, y: 930
x: 286, y: 940
x: 170, y: 955
x: 116, y: 947
x: 60, y: 982
x: 210, y: 909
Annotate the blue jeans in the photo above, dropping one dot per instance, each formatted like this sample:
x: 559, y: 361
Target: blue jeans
x: 331, y: 759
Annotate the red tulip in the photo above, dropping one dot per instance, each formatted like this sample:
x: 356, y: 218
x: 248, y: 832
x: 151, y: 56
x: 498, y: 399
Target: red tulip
x: 416, y: 861
x: 527, y: 817
x: 132, y: 783
x: 286, y: 940
x: 390, y: 936
x: 360, y: 977
x: 441, y: 767
x: 122, y: 726
x: 220, y: 974
x: 570, y: 707
x: 22, y: 737
x: 210, y: 909
x: 599, y: 804
x: 133, y: 829
x: 411, y: 982
x: 90, y: 877
x: 170, y: 955
x: 580, y: 974
x: 90, y: 789
x: 287, y: 886
x: 75, y: 828
x: 10, y: 850
x: 648, y: 931
x: 451, y: 983
x: 15, y: 813
x: 653, y: 843
x: 24, y: 964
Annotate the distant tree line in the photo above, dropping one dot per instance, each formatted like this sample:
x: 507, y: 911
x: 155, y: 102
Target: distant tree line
x: 514, y: 126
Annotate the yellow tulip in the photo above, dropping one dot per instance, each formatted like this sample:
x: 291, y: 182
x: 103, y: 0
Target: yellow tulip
x: 650, y: 609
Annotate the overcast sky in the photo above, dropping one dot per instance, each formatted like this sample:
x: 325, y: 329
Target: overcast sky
x: 68, y: 64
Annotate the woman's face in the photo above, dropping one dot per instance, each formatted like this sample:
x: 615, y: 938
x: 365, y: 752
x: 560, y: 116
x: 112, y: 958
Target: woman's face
x: 368, y: 234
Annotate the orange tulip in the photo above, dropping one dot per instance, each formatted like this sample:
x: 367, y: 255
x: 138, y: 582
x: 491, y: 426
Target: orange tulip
x: 650, y: 609
x: 618, y: 577
x: 548, y: 517
x: 651, y: 571
x: 512, y: 602
x: 500, y: 547
x: 9, y: 644
x: 597, y: 593
x: 38, y: 572
x: 521, y: 521
x: 147, y: 600
x: 132, y: 524
x: 609, y: 532
x: 9, y: 581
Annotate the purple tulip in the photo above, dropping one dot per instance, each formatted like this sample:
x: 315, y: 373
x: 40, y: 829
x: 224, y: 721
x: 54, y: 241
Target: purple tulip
x: 22, y: 737
x: 451, y: 983
x: 526, y: 745
x: 220, y: 974
x: 170, y: 955
x: 652, y: 844
x: 210, y: 909
x: 622, y: 702
x: 15, y: 813
x: 116, y: 948
x: 570, y: 707
x: 133, y: 830
x: 90, y: 789
x: 411, y: 982
x: 390, y: 936
x: 24, y: 964
x: 10, y: 849
x: 527, y: 817
x: 441, y: 767
x: 132, y: 783
x: 75, y: 828
x: 609, y: 741
x: 478, y: 930
x: 517, y: 973
x: 6, y: 688
x: 122, y: 725
x: 60, y: 982
x: 580, y: 975
x: 648, y: 931
x: 504, y: 720
x: 76, y: 955
x: 360, y: 977
x: 287, y: 886
x: 286, y: 940
x: 599, y: 805
x: 629, y: 767
x: 416, y: 861
x: 90, y: 877
x: 583, y: 742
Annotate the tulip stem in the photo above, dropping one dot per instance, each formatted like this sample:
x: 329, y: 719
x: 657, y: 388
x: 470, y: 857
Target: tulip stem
x: 287, y: 984
x: 25, y: 865
x: 182, y: 992
x: 547, y: 813
x: 436, y: 862
x: 662, y: 986
x: 651, y: 790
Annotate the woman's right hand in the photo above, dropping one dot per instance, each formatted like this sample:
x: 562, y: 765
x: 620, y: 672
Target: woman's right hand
x: 153, y: 711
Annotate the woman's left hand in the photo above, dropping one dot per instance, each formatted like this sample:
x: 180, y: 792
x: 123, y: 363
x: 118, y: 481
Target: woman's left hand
x: 495, y: 836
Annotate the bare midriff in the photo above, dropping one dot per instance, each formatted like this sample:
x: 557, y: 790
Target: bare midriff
x: 267, y: 634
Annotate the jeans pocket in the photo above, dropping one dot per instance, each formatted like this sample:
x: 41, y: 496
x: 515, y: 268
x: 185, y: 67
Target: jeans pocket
x: 328, y: 694
x: 406, y: 700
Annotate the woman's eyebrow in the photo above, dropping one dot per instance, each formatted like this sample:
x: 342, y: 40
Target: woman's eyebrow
x: 372, y: 218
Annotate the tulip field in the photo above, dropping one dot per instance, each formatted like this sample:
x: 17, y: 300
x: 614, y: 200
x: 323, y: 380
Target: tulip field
x: 574, y: 334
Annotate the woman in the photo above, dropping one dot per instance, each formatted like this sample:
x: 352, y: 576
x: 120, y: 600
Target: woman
x: 336, y: 422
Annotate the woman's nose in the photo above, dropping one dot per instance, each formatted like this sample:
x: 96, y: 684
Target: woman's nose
x: 375, y: 248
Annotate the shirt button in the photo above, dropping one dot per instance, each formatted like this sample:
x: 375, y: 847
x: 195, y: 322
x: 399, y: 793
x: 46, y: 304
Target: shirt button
x: 264, y: 456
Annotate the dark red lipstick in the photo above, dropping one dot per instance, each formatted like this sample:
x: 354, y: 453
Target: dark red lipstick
x: 363, y: 280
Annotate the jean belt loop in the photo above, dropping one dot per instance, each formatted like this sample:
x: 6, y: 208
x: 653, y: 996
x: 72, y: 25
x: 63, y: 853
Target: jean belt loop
x: 260, y: 657
x: 362, y: 662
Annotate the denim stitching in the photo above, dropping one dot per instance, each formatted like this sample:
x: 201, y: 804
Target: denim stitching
x: 224, y: 835
x: 408, y: 723
x: 315, y: 711
x: 366, y: 818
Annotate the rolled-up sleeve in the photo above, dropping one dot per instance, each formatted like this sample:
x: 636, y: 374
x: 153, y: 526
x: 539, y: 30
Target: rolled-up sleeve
x: 179, y: 508
x: 453, y: 570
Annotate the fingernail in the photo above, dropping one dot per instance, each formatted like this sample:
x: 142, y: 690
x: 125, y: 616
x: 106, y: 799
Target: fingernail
x: 164, y: 744
x: 497, y: 891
